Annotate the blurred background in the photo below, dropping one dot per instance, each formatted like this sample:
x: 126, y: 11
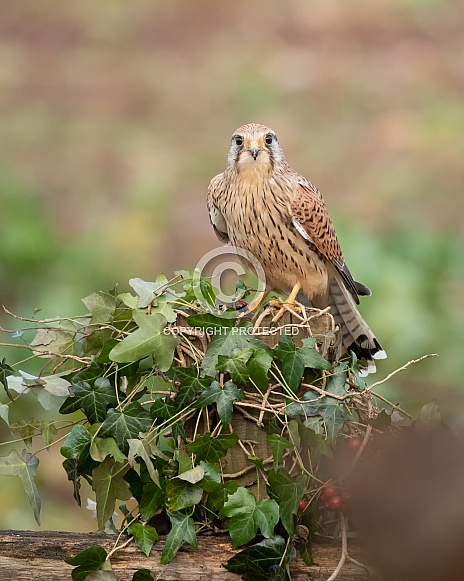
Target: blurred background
x: 115, y: 116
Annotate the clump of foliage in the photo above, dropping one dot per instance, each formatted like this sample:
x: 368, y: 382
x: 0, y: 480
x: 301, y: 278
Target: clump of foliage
x: 137, y: 378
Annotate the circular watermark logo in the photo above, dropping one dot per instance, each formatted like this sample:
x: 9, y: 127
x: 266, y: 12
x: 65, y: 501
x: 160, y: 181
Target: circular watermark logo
x: 221, y: 263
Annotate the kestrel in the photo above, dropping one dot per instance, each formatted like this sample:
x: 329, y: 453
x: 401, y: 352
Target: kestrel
x: 259, y: 203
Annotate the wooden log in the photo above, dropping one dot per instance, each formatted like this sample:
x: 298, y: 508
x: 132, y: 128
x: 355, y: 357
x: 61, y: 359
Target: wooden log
x: 32, y: 555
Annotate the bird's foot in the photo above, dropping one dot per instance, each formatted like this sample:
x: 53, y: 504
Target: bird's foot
x: 283, y: 307
x: 288, y: 305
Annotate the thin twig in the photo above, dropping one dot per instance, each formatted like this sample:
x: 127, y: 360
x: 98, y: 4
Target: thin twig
x: 405, y: 366
x: 344, y: 554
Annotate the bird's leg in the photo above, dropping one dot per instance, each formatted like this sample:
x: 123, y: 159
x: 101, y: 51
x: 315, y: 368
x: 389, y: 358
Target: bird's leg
x: 256, y: 302
x: 290, y: 302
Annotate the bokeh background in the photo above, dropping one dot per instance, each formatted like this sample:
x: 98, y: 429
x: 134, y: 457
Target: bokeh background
x: 115, y: 115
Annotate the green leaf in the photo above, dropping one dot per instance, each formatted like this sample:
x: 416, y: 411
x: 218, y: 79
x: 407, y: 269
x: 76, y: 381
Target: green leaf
x: 101, y: 306
x: 193, y: 475
x: 25, y: 468
x: 145, y: 536
x: 182, y: 494
x: 236, y: 365
x: 183, y: 530
x: 142, y: 575
x: 4, y: 410
x: 315, y: 442
x: 152, y: 500
x: 108, y: 484
x: 265, y: 561
x: 126, y: 424
x: 77, y: 444
x: 210, y: 323
x: 89, y: 560
x: 163, y: 407
x: 246, y: 516
x: 212, y: 449
x: 218, y: 497
x: 93, y: 398
x: 294, y: 361
x: 223, y: 398
x: 226, y: 343
x: 103, y: 447
x: 149, y: 291
x: 334, y: 417
x: 288, y: 491
x: 211, y: 477
x: 148, y: 339
x: 279, y: 444
x: 258, y: 368
x: 26, y: 429
x: 5, y: 371
x: 190, y: 385
x: 140, y: 448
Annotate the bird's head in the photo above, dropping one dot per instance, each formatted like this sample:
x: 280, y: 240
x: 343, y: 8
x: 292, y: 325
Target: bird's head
x: 254, y: 148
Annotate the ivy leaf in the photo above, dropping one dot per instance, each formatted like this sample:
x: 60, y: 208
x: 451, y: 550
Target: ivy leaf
x: 126, y: 424
x: 25, y: 468
x: 101, y: 306
x: 77, y: 444
x: 246, y: 516
x: 182, y: 494
x: 315, y: 442
x: 294, y: 360
x: 163, y: 408
x: 210, y: 323
x: 264, y: 561
x: 311, y: 356
x: 4, y: 411
x: 152, y: 500
x: 223, y: 398
x: 26, y: 429
x: 183, y: 530
x: 145, y: 536
x: 142, y: 575
x: 193, y: 475
x: 86, y: 561
x: 148, y: 339
x: 258, y: 368
x: 288, y: 491
x: 103, y: 447
x: 226, y: 343
x: 141, y: 448
x: 108, y: 484
x: 278, y: 444
x: 212, y: 449
x: 218, y: 497
x: 5, y: 371
x: 236, y: 365
x: 211, y: 477
x: 93, y: 398
x: 334, y: 417
x: 148, y: 291
x: 190, y: 385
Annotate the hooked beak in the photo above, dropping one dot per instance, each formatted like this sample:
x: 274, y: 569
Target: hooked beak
x: 254, y: 150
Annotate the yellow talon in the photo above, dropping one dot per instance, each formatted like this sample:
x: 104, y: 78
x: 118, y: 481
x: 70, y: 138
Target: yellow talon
x: 289, y: 303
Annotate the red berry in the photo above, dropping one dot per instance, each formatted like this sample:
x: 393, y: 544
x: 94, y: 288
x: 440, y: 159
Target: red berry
x: 302, y: 505
x: 354, y: 443
x: 334, y: 503
x: 329, y: 491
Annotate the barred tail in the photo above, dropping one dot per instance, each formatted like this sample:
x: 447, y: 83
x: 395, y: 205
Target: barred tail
x: 356, y: 334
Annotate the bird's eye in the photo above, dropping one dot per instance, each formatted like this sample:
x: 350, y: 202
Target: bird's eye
x: 239, y: 140
x: 269, y: 139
